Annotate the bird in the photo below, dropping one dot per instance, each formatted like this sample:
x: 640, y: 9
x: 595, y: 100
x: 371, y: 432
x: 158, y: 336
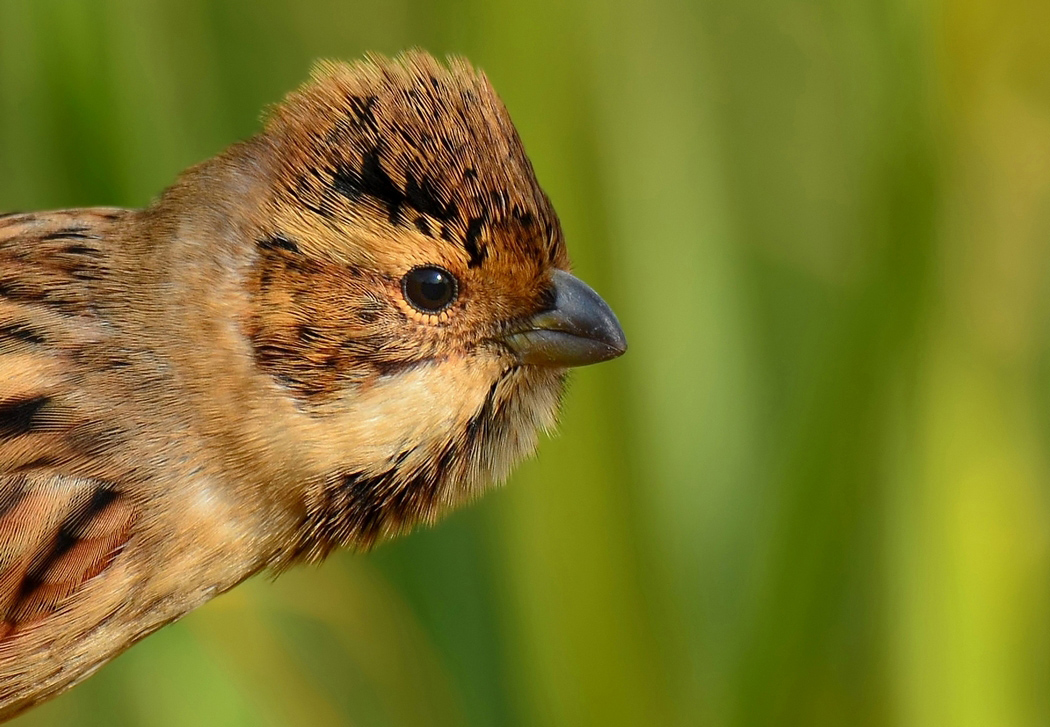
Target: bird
x: 339, y: 329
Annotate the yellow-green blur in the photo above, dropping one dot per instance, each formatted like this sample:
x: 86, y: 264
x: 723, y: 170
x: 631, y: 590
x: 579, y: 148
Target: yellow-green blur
x: 816, y: 491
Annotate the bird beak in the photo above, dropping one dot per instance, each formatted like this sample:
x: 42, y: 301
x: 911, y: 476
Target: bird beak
x: 579, y: 329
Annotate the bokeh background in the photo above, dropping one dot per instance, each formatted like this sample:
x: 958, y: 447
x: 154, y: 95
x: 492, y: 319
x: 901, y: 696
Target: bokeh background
x: 815, y: 491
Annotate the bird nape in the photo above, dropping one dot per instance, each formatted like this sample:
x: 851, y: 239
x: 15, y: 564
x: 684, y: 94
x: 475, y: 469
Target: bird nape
x: 329, y: 333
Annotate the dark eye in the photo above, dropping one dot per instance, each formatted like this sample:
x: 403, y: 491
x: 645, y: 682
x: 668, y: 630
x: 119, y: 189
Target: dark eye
x: 430, y: 289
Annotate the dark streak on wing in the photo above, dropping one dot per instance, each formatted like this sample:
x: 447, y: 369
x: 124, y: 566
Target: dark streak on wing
x: 77, y: 232
x: 23, y: 333
x: 18, y: 417
x: 51, y: 259
x: 41, y: 573
x: 57, y: 531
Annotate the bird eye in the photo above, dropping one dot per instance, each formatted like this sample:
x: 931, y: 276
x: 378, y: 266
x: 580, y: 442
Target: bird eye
x: 429, y: 289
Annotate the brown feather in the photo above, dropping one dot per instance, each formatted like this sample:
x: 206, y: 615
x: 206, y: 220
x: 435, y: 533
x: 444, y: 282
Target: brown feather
x: 232, y: 378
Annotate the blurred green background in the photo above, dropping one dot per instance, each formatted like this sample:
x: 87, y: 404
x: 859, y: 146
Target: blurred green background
x: 815, y: 492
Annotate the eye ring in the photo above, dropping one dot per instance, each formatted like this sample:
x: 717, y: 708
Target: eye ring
x: 430, y: 289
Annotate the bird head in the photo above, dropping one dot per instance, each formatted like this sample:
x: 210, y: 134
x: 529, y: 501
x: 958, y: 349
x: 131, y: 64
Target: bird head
x: 411, y: 290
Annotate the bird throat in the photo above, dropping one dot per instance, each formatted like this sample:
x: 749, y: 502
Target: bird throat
x: 426, y: 478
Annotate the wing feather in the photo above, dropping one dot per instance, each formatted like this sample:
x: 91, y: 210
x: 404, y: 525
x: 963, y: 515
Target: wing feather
x: 62, y: 524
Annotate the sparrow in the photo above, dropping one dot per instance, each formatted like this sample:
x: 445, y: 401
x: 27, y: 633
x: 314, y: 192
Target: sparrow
x: 334, y: 331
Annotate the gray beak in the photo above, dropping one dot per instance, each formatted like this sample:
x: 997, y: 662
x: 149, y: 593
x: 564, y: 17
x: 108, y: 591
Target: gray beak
x: 579, y: 329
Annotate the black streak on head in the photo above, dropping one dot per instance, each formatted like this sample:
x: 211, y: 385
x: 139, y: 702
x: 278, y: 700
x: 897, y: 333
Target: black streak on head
x: 423, y: 226
x: 477, y: 255
x: 278, y: 241
x: 301, y: 193
x: 423, y: 195
x: 364, y: 109
x: 372, y: 181
x: 18, y: 417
